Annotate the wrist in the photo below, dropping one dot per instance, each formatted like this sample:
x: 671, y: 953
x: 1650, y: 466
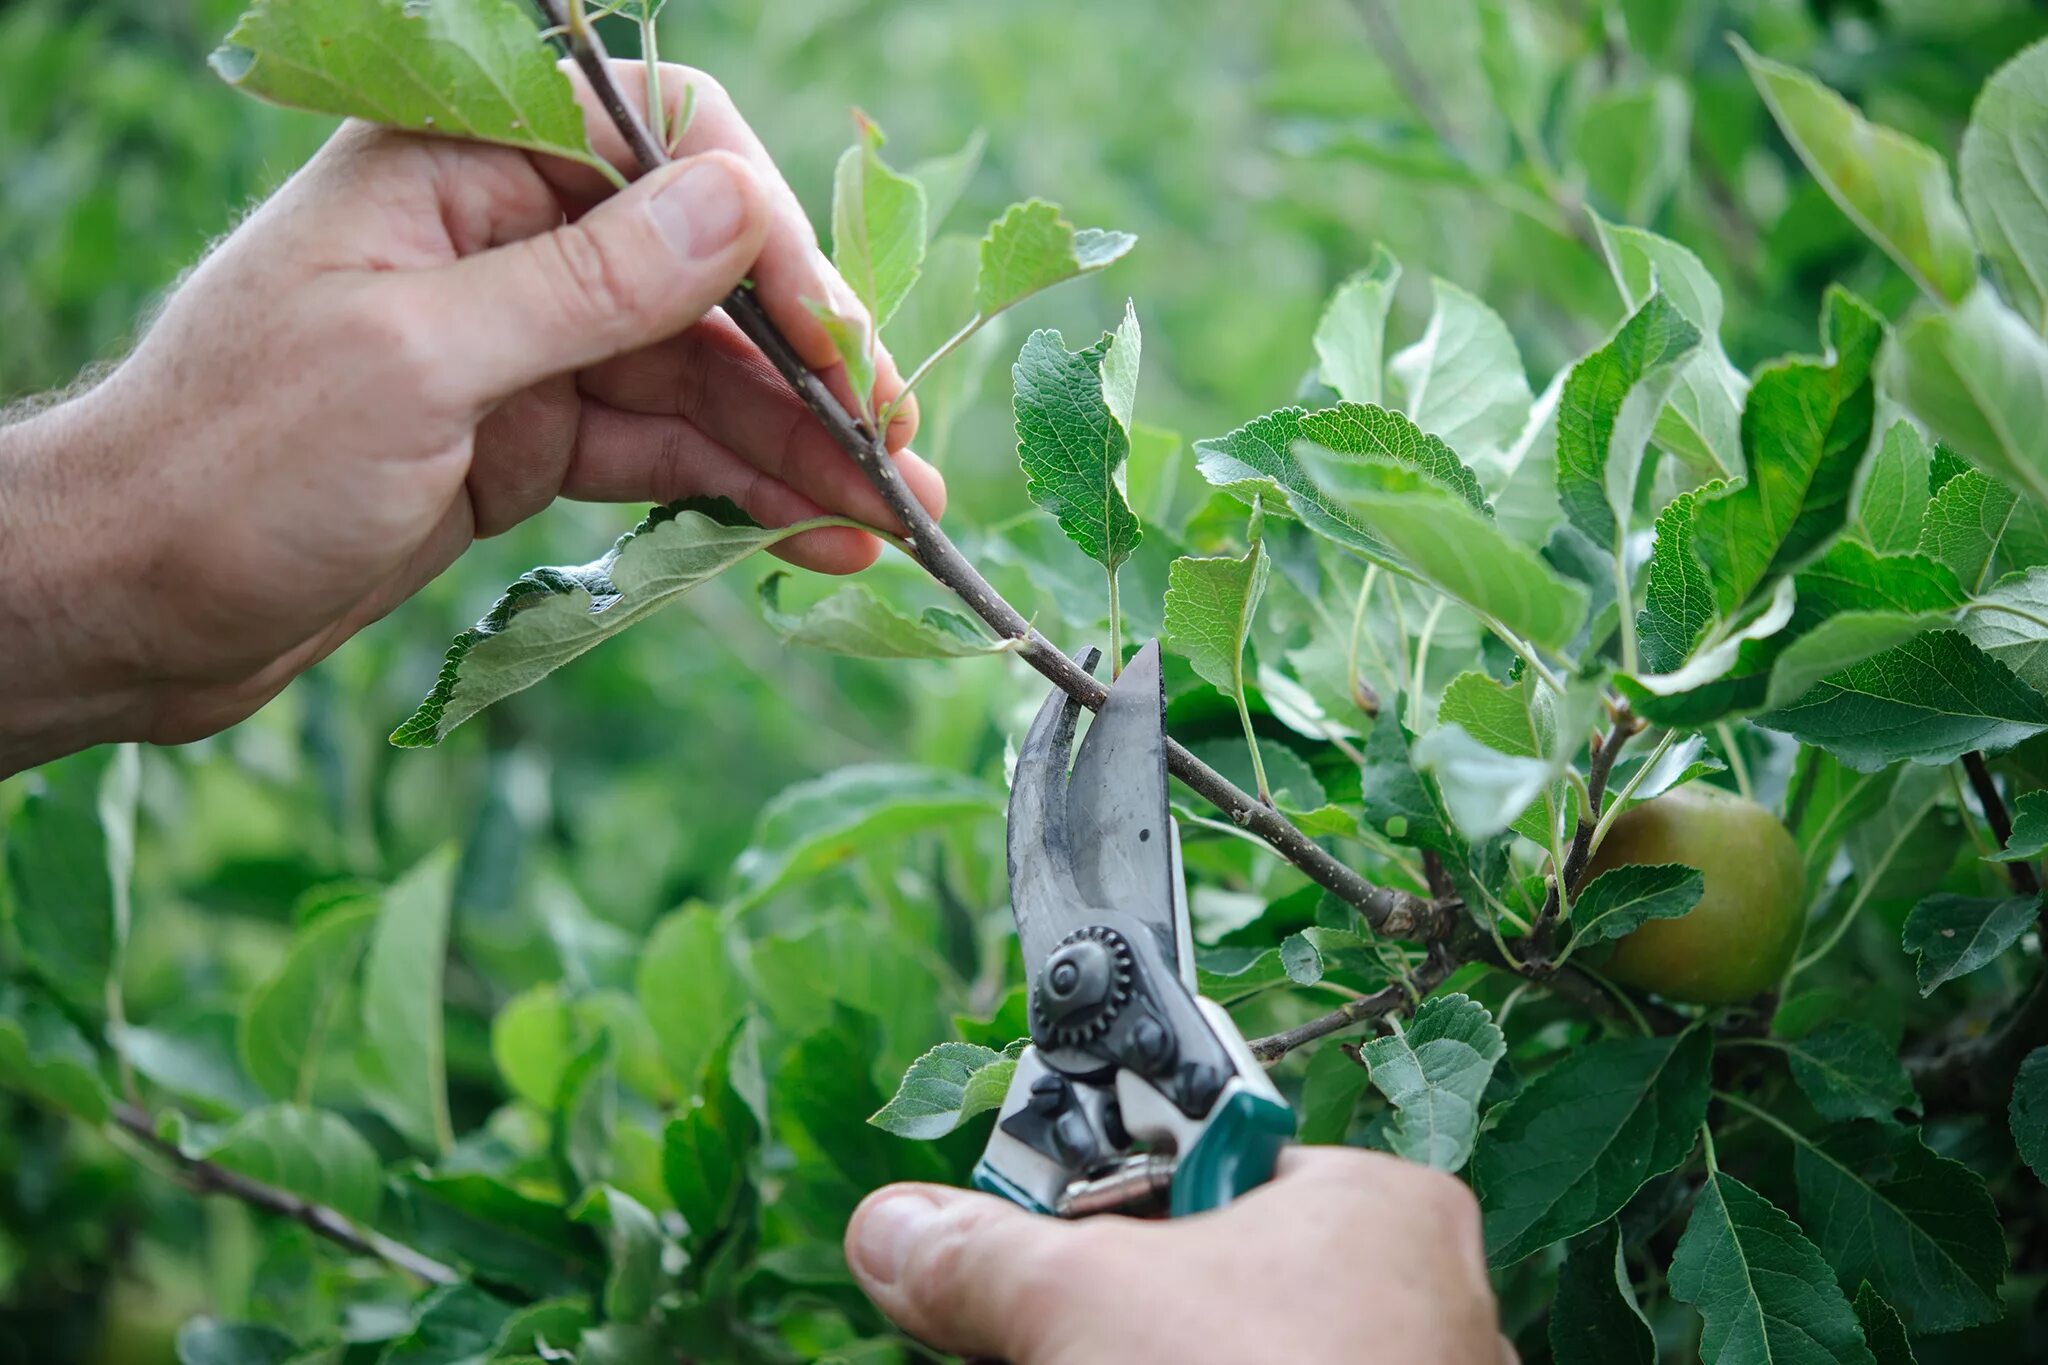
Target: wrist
x: 71, y: 666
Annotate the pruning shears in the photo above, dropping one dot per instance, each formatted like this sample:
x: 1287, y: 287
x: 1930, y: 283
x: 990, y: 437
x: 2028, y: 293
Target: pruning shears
x: 1135, y: 1094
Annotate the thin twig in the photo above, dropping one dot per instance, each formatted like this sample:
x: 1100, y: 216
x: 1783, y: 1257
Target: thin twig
x: 1394, y: 913
x: 1598, y: 767
x: 2025, y: 879
x: 204, y: 1177
x: 1397, y: 998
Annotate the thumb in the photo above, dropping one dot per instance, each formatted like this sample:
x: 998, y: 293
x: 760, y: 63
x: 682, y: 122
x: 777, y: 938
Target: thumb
x: 639, y: 268
x: 963, y: 1272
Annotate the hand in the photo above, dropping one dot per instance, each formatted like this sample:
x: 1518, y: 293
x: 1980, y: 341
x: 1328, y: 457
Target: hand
x: 415, y: 343
x: 1348, y: 1256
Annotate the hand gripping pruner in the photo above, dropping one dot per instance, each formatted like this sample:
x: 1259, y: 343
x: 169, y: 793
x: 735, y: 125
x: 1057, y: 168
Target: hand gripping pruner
x: 1135, y: 1092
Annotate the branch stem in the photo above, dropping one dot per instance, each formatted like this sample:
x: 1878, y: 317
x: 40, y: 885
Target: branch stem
x: 2025, y: 879
x: 204, y: 1177
x: 1393, y: 913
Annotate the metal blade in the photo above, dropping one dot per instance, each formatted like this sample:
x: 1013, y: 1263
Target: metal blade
x: 1123, y: 856
x: 1043, y: 894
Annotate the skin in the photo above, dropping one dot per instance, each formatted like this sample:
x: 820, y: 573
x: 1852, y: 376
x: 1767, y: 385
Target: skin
x: 1348, y: 1256
x: 417, y: 343
x: 1737, y: 942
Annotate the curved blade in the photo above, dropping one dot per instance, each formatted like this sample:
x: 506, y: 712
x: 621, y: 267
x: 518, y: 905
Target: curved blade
x: 1043, y: 894
x: 1122, y: 840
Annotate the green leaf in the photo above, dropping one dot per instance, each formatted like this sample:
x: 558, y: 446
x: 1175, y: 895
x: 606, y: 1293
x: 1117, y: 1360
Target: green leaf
x: 1954, y: 935
x: 2004, y: 173
x: 1631, y: 139
x: 710, y: 1154
x: 1594, y: 1317
x: 2010, y: 623
x: 633, y: 1246
x: 1829, y: 799
x: 1895, y: 189
x: 1919, y: 1227
x: 541, y: 1327
x: 68, y: 848
x: 1577, y: 1143
x: 1932, y: 700
x: 480, y: 1222
x: 552, y: 615
x: 1607, y: 413
x: 814, y: 825
x: 1452, y: 546
x: 533, y: 1041
x: 1485, y: 790
x: 1805, y: 430
x: 1622, y: 899
x: 1319, y: 953
x: 202, y: 1341
x: 286, y: 1021
x: 1031, y: 247
x: 1893, y: 501
x: 1496, y: 754
x: 42, y: 1054
x: 310, y: 1152
x: 1259, y: 460
x: 1848, y: 1071
x: 1678, y: 598
x: 456, y: 1324
x: 1210, y: 603
x: 1975, y: 523
x: 856, y: 621
x: 1350, y: 340
x: 1330, y: 1092
x: 946, y: 1087
x: 1701, y: 421
x: 844, y: 959
x: 854, y: 344
x: 690, y: 986
x: 403, y: 1048
x: 1834, y: 613
x: 1978, y: 377
x: 1462, y: 381
x: 586, y: 1114
x: 190, y: 1052
x: 473, y: 70
x: 1763, y: 1289
x: 1073, y: 442
x: 2028, y: 1112
x: 826, y: 1078
x: 878, y: 224
x: 1400, y: 801
x: 945, y: 178
x: 1882, y: 1330
x: 1434, y: 1073
x: 2029, y: 830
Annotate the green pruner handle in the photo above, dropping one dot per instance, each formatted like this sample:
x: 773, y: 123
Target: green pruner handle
x: 1235, y: 1154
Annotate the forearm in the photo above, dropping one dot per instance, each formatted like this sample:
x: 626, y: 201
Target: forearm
x: 68, y: 676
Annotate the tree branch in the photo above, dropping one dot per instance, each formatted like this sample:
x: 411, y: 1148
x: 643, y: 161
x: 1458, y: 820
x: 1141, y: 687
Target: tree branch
x: 1599, y: 766
x: 204, y: 1177
x: 2025, y: 879
x: 1390, y: 1000
x: 1390, y: 912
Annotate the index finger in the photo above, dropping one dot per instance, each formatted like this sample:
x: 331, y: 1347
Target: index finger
x: 791, y: 267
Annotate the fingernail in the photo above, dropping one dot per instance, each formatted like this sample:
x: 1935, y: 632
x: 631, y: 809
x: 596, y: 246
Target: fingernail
x: 701, y: 211
x: 890, y: 1231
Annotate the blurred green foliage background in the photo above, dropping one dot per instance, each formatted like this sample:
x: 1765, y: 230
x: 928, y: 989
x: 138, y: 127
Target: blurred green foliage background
x: 1259, y: 151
